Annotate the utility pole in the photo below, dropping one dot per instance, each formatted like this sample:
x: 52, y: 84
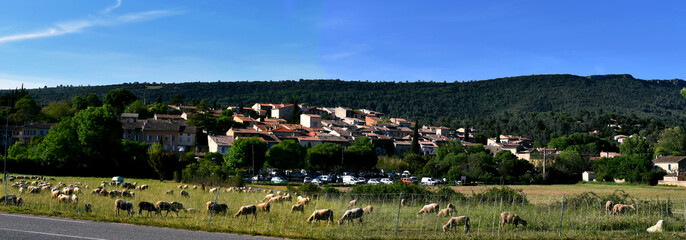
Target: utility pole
x: 4, y: 169
x: 545, y: 152
x: 253, y: 159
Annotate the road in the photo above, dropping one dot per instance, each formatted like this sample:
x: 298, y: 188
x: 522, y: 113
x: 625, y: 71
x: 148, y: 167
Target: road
x: 22, y: 226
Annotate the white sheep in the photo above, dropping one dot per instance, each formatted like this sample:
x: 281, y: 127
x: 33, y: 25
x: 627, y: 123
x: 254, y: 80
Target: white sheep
x: 457, y: 221
x: 246, y: 210
x: 298, y: 208
x: 368, y: 209
x: 323, y: 214
x: 657, y: 227
x: 608, y: 206
x: 352, y: 203
x: 511, y: 218
x: 121, y: 204
x: 430, y: 208
x: 351, y: 215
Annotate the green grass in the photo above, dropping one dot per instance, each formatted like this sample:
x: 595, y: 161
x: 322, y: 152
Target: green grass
x: 586, y: 220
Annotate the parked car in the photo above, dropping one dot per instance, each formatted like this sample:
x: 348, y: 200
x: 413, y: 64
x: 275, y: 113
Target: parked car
x: 410, y: 180
x: 324, y: 178
x: 373, y: 181
x: 317, y: 182
x: 307, y: 180
x: 350, y: 180
x: 278, y: 180
x: 362, y: 180
x: 386, y: 181
x: 427, y: 181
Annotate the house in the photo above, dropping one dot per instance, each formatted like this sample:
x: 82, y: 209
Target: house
x: 219, y: 144
x: 442, y: 131
x: 242, y: 132
x: 343, y: 112
x: 619, y: 138
x: 310, y: 120
x: 129, y: 116
x: 246, y: 121
x: 371, y: 120
x: 401, y: 122
x: 609, y: 154
x: 427, y: 148
x: 187, y: 138
x: 672, y: 164
x: 168, y: 117
x: 161, y: 131
x: 588, y: 176
x: 35, y: 129
x: 284, y: 111
x: 309, y: 141
x: 401, y: 147
x: 133, y: 130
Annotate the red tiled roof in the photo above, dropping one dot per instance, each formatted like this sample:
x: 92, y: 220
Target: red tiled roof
x: 671, y: 159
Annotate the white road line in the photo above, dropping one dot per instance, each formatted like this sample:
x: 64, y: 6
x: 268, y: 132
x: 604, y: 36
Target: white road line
x: 41, y: 218
x: 51, y: 234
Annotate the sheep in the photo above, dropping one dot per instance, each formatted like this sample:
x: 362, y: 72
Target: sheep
x: 511, y: 218
x: 55, y: 194
x: 246, y: 210
x: 195, y: 186
x: 21, y: 190
x: 74, y: 198
x: 298, y: 208
x: 185, y: 186
x: 87, y: 207
x: 402, y: 202
x: 184, y: 193
x: 657, y: 227
x: 368, y: 209
x: 277, y: 199
x: 266, y: 197
x: 192, y: 210
x: 263, y: 207
x: 457, y: 221
x: 11, y: 199
x: 180, y: 187
x: 121, y: 204
x: 77, y: 190
x: 431, y: 208
x: 608, y: 206
x: 350, y: 215
x: 67, y: 191
x: 445, y: 212
x: 304, y: 201
x: 286, y: 198
x: 217, y: 208
x: 166, y: 206
x: 352, y: 203
x: 142, y: 187
x: 213, y: 190
x: 33, y: 189
x: 323, y: 214
x: 115, y: 193
x: 63, y: 198
x: 621, y: 208
x: 148, y: 206
x: 451, y: 206
x: 170, y: 192
x: 127, y: 193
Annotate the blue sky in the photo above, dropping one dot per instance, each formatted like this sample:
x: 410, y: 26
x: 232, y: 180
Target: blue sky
x: 86, y: 42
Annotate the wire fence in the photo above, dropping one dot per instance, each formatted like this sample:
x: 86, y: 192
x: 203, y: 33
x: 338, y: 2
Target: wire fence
x: 393, y: 215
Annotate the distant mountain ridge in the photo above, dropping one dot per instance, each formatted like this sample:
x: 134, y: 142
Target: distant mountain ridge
x: 616, y: 93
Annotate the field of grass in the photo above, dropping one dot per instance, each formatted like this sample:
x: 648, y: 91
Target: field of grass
x: 582, y: 219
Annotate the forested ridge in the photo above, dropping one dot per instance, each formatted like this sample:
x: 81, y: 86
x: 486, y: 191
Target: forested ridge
x: 618, y: 94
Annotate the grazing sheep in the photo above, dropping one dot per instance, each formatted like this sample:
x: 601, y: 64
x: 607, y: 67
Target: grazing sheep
x: 216, y: 208
x: 74, y: 198
x: 63, y: 198
x: 304, y: 201
x: 166, y: 206
x: 445, y: 212
x: 657, y: 227
x: 33, y: 189
x: 431, y: 208
x: 77, y: 190
x: 115, y: 193
x: 608, y: 206
x: 352, y: 203
x: 55, y: 194
x: 142, y: 187
x: 21, y: 190
x: 323, y: 214
x: 213, y: 190
x: 11, y: 200
x: 246, y: 210
x: 368, y: 209
x: 121, y: 204
x: 185, y: 186
x: 127, y: 193
x: 402, y: 202
x: 451, y: 206
x: 287, y: 198
x: 263, y: 207
x: 267, y: 197
x: 170, y: 192
x: 511, y: 218
x: 350, y: 215
x: 457, y: 221
x: 622, y: 208
x: 277, y: 199
x: 298, y: 208
x: 67, y: 191
x: 180, y: 187
x: 87, y: 207
x: 192, y: 210
x: 184, y: 193
x: 148, y: 206
x: 195, y: 186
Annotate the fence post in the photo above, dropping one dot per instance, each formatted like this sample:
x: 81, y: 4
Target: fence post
x: 397, y: 220
x: 219, y: 189
x: 562, y: 214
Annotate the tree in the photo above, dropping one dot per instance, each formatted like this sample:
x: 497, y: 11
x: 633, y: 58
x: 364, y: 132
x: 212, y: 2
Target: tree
x: 137, y: 107
x: 58, y: 110
x: 119, y: 98
x: 288, y: 154
x: 414, y: 148
x: 635, y: 145
x: 512, y: 169
x: 671, y: 141
x: 246, y: 153
x: 26, y: 109
x: 360, y: 155
x: 176, y: 100
x: 163, y: 162
x: 85, y: 101
x: 324, y: 156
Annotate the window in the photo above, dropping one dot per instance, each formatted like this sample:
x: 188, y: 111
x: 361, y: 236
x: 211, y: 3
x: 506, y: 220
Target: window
x: 188, y: 139
x: 669, y: 166
x: 157, y: 138
x: 149, y: 137
x: 181, y: 140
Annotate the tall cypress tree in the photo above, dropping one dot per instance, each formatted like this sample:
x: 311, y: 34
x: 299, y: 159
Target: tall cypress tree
x: 415, y: 138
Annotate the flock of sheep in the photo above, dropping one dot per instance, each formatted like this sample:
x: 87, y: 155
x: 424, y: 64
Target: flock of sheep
x: 67, y: 193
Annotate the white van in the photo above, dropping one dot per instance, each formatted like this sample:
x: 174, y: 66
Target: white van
x: 350, y: 180
x: 427, y: 181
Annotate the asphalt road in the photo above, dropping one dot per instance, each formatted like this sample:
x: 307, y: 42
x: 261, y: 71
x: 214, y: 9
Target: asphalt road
x: 22, y: 226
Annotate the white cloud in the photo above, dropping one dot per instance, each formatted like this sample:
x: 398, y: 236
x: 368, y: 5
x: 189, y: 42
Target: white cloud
x: 17, y: 81
x: 79, y: 25
x: 108, y: 9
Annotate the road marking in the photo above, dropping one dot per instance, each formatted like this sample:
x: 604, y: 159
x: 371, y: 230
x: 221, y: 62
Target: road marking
x: 41, y: 218
x: 51, y: 234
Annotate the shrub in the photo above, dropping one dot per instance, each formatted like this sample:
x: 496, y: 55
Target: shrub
x: 330, y: 189
x: 309, y: 189
x: 447, y: 193
x: 506, y: 195
x: 397, y: 187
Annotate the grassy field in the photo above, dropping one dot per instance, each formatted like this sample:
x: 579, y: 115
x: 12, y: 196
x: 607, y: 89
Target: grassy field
x: 542, y: 211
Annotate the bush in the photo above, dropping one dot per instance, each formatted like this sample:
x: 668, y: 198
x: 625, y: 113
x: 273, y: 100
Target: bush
x: 236, y: 181
x: 447, y: 193
x: 396, y: 187
x: 309, y: 189
x: 330, y: 189
x: 506, y: 195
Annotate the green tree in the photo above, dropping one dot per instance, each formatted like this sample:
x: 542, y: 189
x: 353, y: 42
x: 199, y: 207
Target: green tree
x: 137, y: 107
x: 512, y: 169
x: 324, y: 156
x: 635, y: 145
x: 176, y: 100
x: 119, y: 98
x: 85, y: 101
x: 58, y: 110
x: 244, y: 152
x: 360, y: 155
x: 163, y: 162
x: 414, y: 148
x: 671, y: 141
x: 26, y: 109
x: 288, y: 154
